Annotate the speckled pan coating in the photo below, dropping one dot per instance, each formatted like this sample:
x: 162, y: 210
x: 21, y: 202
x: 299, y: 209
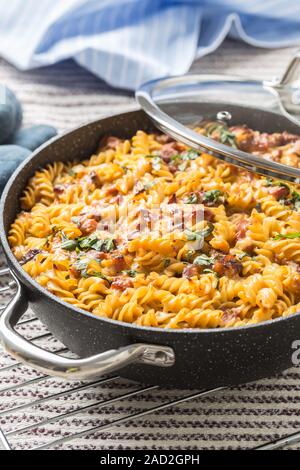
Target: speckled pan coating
x: 204, y: 358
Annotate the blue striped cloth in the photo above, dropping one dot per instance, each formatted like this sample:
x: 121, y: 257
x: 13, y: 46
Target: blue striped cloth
x: 127, y: 42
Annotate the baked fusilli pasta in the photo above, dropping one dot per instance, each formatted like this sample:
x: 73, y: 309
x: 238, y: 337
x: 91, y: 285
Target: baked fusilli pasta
x: 150, y: 232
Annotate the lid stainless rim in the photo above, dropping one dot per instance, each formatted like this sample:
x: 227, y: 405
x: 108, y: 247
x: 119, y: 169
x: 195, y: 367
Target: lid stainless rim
x: 178, y: 131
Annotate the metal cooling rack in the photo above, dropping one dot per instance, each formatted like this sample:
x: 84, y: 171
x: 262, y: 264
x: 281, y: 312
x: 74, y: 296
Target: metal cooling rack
x: 22, y: 436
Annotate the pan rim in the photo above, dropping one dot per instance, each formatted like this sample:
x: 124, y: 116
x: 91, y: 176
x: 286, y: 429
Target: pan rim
x: 23, y: 276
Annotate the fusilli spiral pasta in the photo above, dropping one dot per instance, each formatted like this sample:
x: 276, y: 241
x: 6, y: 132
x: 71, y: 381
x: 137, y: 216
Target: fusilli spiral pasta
x: 196, y: 243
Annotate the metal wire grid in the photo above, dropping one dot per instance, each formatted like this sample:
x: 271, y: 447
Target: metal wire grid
x: 24, y: 435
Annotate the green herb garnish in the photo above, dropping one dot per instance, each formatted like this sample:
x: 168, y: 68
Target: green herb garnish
x: 296, y: 200
x: 97, y: 274
x: 203, y: 260
x: 192, y: 236
x: 189, y: 155
x: 92, y: 242
x: 281, y: 236
x: 225, y: 136
x: 82, y: 265
x: 167, y: 262
x: 191, y: 199
x: 130, y: 272
x: 69, y: 245
x: 215, y: 196
x: 271, y: 182
x: 87, y: 242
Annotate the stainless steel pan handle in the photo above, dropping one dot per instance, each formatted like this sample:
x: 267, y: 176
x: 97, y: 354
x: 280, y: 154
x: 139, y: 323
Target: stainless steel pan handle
x: 73, y: 369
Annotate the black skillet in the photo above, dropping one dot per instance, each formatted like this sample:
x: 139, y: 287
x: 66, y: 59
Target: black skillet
x: 187, y: 358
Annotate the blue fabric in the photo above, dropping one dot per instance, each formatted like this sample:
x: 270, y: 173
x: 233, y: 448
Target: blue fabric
x: 127, y: 42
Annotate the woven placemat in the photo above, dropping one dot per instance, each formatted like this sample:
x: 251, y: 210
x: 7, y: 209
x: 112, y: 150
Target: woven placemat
x: 242, y: 417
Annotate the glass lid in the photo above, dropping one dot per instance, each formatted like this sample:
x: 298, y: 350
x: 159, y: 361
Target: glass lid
x: 248, y: 123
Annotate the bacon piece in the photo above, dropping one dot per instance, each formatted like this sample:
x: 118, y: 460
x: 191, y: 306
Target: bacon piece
x: 87, y: 226
x: 118, y: 262
x: 190, y: 270
x: 109, y: 142
x: 172, y: 199
x: 100, y: 255
x: 251, y: 141
x: 164, y: 139
x: 169, y: 150
x: 122, y: 283
x: 172, y: 168
x: 228, y: 265
x: 286, y: 138
x: 279, y: 192
x: 90, y: 213
x: 243, y: 136
x: 241, y: 228
x: 208, y: 215
x: 112, y: 191
x: 94, y: 179
x: 29, y: 255
x: 59, y: 189
x: 75, y: 272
